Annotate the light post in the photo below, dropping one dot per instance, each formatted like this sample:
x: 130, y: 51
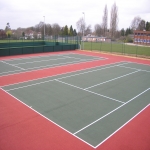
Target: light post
x: 44, y: 28
x: 83, y: 30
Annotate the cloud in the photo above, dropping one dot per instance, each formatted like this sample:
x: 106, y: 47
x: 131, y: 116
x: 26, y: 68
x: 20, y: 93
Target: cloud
x: 30, y: 12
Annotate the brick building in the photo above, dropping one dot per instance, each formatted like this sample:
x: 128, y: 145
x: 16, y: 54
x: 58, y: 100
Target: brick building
x: 142, y: 37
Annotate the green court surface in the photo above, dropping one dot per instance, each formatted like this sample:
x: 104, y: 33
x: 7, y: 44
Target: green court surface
x: 39, y: 62
x: 91, y: 104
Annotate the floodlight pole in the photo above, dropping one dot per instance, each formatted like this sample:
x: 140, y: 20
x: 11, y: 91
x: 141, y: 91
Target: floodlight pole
x: 44, y: 28
x: 83, y: 30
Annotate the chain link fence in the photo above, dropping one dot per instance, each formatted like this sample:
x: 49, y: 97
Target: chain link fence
x: 118, y: 47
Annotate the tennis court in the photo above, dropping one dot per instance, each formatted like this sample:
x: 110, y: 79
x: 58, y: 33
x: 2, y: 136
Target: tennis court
x: 39, y: 62
x: 90, y: 104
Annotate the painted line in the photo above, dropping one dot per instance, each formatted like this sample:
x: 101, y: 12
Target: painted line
x: 57, y: 78
x: 62, y: 63
x: 111, y: 111
x: 134, y: 68
x: 58, y: 74
x: 112, y: 79
x: 90, y: 71
x: 123, y: 125
x: 53, y: 65
x: 9, y: 71
x: 140, y: 63
x: 31, y: 107
x: 89, y: 91
x: 39, y: 61
x: 13, y: 65
x: 31, y: 57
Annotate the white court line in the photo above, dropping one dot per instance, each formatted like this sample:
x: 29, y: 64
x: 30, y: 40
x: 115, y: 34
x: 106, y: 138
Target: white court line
x: 112, y: 79
x: 111, y: 111
x: 134, y: 68
x: 60, y: 77
x: 40, y: 61
x: 62, y: 63
x: 89, y: 91
x: 31, y: 57
x: 122, y: 126
x: 139, y: 63
x: 13, y: 65
x: 91, y: 71
x: 44, y: 67
x: 9, y: 71
x: 58, y: 74
x: 31, y: 107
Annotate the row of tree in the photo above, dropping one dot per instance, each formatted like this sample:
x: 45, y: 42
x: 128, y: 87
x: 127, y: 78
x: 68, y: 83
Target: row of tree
x: 101, y: 29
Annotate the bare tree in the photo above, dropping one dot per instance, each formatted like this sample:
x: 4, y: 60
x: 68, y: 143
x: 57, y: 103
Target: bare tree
x: 88, y: 30
x: 105, y: 21
x: 135, y: 23
x: 56, y: 29
x: 98, y: 30
x: 142, y: 25
x: 113, y: 20
x: 80, y: 26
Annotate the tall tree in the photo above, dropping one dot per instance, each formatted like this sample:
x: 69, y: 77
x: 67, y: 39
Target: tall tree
x: 105, y: 21
x: 56, y: 29
x: 147, y: 26
x: 113, y: 20
x: 122, y: 32
x: 80, y: 25
x: 141, y: 25
x: 71, y: 31
x: 8, y: 30
x: 135, y: 23
x: 65, y: 32
x: 74, y: 32
x: 98, y: 30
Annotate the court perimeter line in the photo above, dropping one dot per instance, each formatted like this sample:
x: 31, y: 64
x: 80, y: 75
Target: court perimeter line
x: 57, y: 74
x: 57, y: 78
x: 13, y: 65
x: 92, y: 70
x: 111, y: 111
x: 40, y: 61
x: 49, y: 66
x: 89, y: 91
x: 123, y: 125
x: 112, y: 79
x: 47, y: 118
x: 133, y: 68
x: 36, y: 56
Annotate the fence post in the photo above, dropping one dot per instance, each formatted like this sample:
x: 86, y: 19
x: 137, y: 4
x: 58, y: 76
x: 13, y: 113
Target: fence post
x: 136, y: 50
x: 91, y: 45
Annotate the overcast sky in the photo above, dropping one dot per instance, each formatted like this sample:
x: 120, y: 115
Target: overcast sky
x: 28, y: 13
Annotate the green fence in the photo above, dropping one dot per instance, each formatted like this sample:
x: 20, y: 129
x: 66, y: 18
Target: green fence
x: 116, y: 47
x: 50, y: 44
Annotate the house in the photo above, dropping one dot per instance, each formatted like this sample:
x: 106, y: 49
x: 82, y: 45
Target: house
x: 39, y: 35
x: 142, y: 37
x: 92, y: 38
x: 29, y: 34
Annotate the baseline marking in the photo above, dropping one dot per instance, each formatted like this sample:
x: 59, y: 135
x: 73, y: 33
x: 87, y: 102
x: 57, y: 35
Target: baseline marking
x: 40, y: 61
x: 122, y: 126
x: 13, y: 65
x: 43, y: 67
x: 111, y: 111
x: 31, y: 107
x: 89, y: 91
x: 57, y: 74
x: 133, y: 68
x: 112, y: 79
x: 58, y: 78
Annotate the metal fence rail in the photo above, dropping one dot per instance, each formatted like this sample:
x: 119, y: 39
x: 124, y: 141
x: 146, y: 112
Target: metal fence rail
x: 118, y: 47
